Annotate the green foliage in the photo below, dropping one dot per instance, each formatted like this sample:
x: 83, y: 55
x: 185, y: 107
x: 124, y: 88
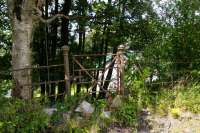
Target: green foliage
x: 18, y: 116
x: 63, y: 107
x: 135, y: 82
x: 5, y: 85
x: 99, y: 105
x: 76, y: 122
x: 175, y: 112
x: 183, y: 98
x: 86, y: 127
x: 5, y: 41
x: 98, y: 118
x: 163, y: 41
x: 189, y: 98
x: 165, y: 101
x: 126, y: 115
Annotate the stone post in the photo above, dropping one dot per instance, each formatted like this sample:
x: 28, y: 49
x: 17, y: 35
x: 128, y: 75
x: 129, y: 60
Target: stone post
x: 65, y: 50
x: 121, y: 65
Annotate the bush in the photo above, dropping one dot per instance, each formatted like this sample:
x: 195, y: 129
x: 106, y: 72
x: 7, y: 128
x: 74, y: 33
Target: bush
x: 19, y: 116
x: 164, y: 101
x: 126, y: 115
x: 64, y: 107
x: 65, y: 119
x: 184, y: 98
x: 189, y: 98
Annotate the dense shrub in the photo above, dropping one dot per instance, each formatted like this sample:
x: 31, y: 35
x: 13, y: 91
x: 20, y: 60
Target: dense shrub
x: 126, y: 115
x: 19, y: 116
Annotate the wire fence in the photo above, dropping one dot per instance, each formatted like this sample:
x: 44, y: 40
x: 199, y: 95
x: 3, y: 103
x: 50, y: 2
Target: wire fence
x: 89, y: 73
x: 164, y: 72
x: 85, y: 72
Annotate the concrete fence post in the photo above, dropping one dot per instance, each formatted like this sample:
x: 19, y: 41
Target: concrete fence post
x: 65, y: 50
x: 121, y: 65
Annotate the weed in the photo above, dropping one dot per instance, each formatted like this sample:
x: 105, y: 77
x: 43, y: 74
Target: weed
x: 127, y: 114
x: 19, y: 116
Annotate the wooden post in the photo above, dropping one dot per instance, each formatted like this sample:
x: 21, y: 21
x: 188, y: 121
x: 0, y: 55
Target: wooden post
x: 121, y: 68
x: 65, y: 49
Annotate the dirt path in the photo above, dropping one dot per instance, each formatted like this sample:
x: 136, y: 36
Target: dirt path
x: 186, y: 123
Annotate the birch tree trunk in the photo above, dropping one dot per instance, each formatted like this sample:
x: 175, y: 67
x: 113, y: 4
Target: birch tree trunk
x: 21, y: 48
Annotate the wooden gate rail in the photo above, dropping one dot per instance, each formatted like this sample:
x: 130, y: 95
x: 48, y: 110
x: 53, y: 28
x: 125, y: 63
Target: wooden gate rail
x: 92, y: 69
x: 94, y: 55
x: 116, y: 59
x: 83, y: 69
x: 36, y: 67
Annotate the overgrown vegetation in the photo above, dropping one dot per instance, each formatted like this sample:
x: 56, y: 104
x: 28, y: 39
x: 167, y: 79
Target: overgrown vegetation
x: 182, y: 98
x: 162, y: 59
x: 18, y: 116
x: 126, y: 114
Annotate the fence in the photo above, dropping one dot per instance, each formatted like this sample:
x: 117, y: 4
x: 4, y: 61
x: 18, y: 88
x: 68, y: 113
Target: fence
x: 162, y: 72
x: 88, y: 73
x: 78, y: 72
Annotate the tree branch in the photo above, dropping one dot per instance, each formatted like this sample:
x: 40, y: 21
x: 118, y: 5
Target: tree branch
x: 62, y: 16
x: 66, y: 17
x: 51, y: 19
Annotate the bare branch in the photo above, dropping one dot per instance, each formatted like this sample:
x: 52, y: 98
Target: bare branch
x: 51, y: 19
x: 66, y: 17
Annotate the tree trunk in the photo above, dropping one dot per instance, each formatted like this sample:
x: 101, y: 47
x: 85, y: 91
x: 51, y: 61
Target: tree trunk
x: 21, y: 49
x: 64, y: 41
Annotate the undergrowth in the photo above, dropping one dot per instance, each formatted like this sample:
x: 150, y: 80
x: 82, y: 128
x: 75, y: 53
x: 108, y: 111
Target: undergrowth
x: 19, y: 116
x: 184, y: 98
x: 126, y: 115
